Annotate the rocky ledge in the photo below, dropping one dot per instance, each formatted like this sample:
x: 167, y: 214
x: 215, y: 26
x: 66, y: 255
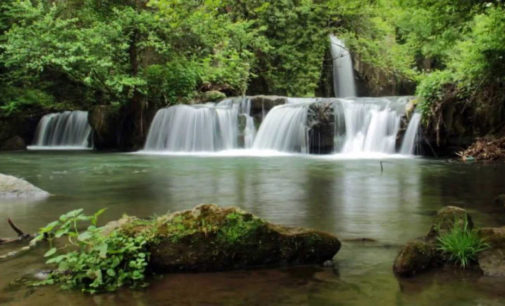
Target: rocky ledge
x: 212, y: 238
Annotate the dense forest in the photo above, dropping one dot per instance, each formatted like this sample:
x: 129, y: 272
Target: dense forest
x: 139, y: 55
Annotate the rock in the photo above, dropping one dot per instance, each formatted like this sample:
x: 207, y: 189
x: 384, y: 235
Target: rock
x: 417, y: 256
x: 104, y: 120
x: 492, y: 260
x: 321, y: 124
x: 15, y: 188
x: 15, y: 143
x: 261, y: 105
x: 422, y: 254
x: 445, y: 220
x: 211, y: 238
x: 500, y: 200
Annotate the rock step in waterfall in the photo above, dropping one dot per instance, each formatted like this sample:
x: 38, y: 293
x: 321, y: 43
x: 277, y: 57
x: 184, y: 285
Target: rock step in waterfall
x: 65, y: 130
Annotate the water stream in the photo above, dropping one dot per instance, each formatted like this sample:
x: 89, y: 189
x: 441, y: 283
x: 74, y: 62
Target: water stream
x: 350, y: 198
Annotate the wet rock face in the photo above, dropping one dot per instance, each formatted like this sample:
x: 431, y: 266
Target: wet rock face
x: 321, y: 128
x: 12, y: 188
x: 492, y: 260
x: 104, y: 121
x: 261, y: 105
x: 211, y: 238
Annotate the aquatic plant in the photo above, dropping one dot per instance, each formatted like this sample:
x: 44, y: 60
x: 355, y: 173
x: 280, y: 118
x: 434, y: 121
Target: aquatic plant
x: 461, y: 244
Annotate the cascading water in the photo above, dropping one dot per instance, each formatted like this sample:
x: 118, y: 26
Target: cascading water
x: 409, y: 140
x: 284, y: 129
x: 63, y: 130
x: 343, y: 74
x: 371, y: 124
x: 200, y: 128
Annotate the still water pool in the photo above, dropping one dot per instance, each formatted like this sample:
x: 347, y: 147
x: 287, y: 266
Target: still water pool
x: 351, y: 198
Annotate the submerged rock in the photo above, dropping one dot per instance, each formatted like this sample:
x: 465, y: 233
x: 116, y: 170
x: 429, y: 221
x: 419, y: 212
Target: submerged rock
x: 15, y: 188
x: 492, y: 260
x: 211, y: 238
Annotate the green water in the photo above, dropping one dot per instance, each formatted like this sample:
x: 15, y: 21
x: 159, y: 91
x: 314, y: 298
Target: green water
x: 350, y: 198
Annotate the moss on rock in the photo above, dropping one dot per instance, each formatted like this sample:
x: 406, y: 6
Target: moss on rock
x: 415, y: 257
x: 211, y: 238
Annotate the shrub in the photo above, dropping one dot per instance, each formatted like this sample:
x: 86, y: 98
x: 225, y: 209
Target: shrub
x: 461, y: 244
x: 95, y: 262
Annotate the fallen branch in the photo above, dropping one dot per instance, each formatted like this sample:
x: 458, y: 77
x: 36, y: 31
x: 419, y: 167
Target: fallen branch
x: 22, y: 236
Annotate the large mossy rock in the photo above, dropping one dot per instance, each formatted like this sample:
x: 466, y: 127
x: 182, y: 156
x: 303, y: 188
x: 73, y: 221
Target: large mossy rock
x: 417, y: 256
x: 492, y: 260
x: 421, y: 254
x: 446, y: 219
x: 13, y: 188
x: 211, y: 238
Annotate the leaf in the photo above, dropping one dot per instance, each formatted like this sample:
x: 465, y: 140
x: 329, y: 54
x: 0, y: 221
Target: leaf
x: 84, y: 236
x: 51, y: 252
x: 102, y: 249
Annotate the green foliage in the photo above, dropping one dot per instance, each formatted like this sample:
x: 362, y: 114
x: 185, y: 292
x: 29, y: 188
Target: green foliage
x: 238, y: 227
x: 93, y: 262
x: 16, y: 100
x: 461, y: 244
x: 431, y: 90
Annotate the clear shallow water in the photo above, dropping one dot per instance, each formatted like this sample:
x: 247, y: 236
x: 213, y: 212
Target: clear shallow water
x: 349, y: 197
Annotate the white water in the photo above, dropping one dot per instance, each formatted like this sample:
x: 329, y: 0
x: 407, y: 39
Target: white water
x: 409, y: 140
x: 200, y: 128
x: 343, y: 74
x: 372, y: 124
x: 284, y: 129
x: 66, y: 130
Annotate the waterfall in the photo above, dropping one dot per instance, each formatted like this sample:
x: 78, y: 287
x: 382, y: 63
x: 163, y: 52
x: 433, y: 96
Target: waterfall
x: 284, y: 129
x: 68, y: 129
x: 206, y: 127
x: 343, y: 75
x: 371, y: 125
x: 410, y: 137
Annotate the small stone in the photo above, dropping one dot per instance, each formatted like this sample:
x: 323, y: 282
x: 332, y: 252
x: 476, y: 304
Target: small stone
x: 415, y: 257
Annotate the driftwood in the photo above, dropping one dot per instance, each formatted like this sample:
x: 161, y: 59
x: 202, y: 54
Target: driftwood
x: 22, y: 236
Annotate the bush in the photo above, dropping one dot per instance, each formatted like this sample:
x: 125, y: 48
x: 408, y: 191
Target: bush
x: 431, y: 89
x: 461, y: 244
x: 97, y: 262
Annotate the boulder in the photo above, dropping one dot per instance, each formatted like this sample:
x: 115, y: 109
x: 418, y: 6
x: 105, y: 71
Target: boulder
x: 445, y: 220
x: 492, y: 260
x: 422, y: 254
x: 211, y: 238
x: 12, y: 188
x: 15, y: 143
x: 415, y: 257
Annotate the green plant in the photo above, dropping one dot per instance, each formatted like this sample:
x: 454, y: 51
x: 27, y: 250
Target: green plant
x: 461, y: 244
x: 238, y: 227
x: 96, y: 262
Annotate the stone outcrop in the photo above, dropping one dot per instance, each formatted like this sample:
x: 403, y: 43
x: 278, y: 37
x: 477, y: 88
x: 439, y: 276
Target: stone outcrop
x: 211, y: 238
x: 12, y: 188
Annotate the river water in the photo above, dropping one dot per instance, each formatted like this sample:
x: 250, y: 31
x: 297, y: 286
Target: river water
x: 352, y: 198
